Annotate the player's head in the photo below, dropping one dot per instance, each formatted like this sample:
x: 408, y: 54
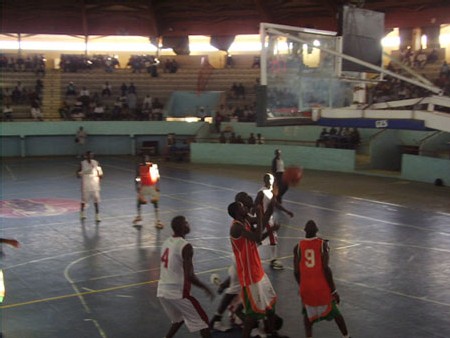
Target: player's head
x: 277, y: 152
x: 268, y: 179
x: 236, y: 210
x: 245, y: 199
x: 311, y: 228
x: 180, y: 226
x: 145, y: 158
x: 88, y: 155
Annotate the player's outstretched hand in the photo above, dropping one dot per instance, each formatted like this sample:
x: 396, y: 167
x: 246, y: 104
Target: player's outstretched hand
x: 11, y: 242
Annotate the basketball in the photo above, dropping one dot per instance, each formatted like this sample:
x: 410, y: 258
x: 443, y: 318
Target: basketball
x: 215, y: 279
x: 292, y: 175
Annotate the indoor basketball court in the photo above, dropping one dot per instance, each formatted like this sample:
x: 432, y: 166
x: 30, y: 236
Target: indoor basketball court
x: 390, y: 244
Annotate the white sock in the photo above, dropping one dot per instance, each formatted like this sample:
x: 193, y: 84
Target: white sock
x: 273, y: 252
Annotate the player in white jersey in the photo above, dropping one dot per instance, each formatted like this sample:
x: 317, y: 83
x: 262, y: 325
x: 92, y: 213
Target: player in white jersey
x: 91, y: 173
x: 264, y: 198
x: 176, y: 278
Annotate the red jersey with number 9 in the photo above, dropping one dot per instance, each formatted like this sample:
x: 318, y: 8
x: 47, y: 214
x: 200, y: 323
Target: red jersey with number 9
x: 314, y: 288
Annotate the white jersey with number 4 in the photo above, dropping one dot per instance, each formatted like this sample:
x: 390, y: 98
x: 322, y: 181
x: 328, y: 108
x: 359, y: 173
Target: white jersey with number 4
x: 172, y: 284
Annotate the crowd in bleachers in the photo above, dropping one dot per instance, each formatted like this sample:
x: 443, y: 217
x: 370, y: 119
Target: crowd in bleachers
x: 124, y: 103
x: 418, y: 58
x: 233, y: 138
x: 18, y: 63
x: 81, y: 104
x: 344, y: 138
x: 144, y: 63
x: 22, y: 95
x: 444, y: 78
x: 78, y: 63
x: 393, y: 89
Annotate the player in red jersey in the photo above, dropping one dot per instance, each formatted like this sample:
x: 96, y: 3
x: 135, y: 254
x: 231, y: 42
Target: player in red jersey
x: 147, y: 186
x: 317, y: 289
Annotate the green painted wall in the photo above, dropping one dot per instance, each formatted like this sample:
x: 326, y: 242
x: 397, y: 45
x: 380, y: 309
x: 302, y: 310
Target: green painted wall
x: 342, y: 160
x: 425, y: 169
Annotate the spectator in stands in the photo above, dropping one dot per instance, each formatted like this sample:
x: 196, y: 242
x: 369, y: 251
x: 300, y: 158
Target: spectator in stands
x: 170, y: 66
x: 77, y: 112
x: 256, y: 62
x: 20, y: 63
x: 71, y: 89
x: 154, y: 69
x: 252, y: 139
x: 135, y: 64
x: 147, y: 103
x: 84, y: 93
x: 420, y: 59
x: 344, y: 140
x: 222, y: 137
x: 106, y: 89
x: 234, y: 90
x: 142, y: 114
x: 233, y: 138
x: 240, y: 93
x: 408, y: 56
x: 324, y: 138
x: 433, y: 56
x: 36, y: 112
x: 259, y: 139
x: 117, y: 109
x: 84, y: 97
x: 132, y: 89
x: 124, y: 89
x: 229, y: 61
x: 18, y: 93
x: 132, y: 102
x: 355, y: 138
x: 239, y: 139
x: 445, y: 70
x: 8, y: 113
x: 239, y: 114
x: 39, y: 86
x: 157, y: 108
x: 174, y: 66
x: 64, y: 111
x: 99, y: 112
x: 167, y: 65
x: 218, y: 119
x: 6, y: 95
x: 3, y: 62
x: 109, y: 65
x: 39, y: 65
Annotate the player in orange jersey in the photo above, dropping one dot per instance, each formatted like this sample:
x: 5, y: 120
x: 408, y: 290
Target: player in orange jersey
x: 317, y: 289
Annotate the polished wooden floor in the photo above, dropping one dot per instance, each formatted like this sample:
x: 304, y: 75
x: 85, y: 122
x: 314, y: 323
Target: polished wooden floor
x: 390, y: 244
